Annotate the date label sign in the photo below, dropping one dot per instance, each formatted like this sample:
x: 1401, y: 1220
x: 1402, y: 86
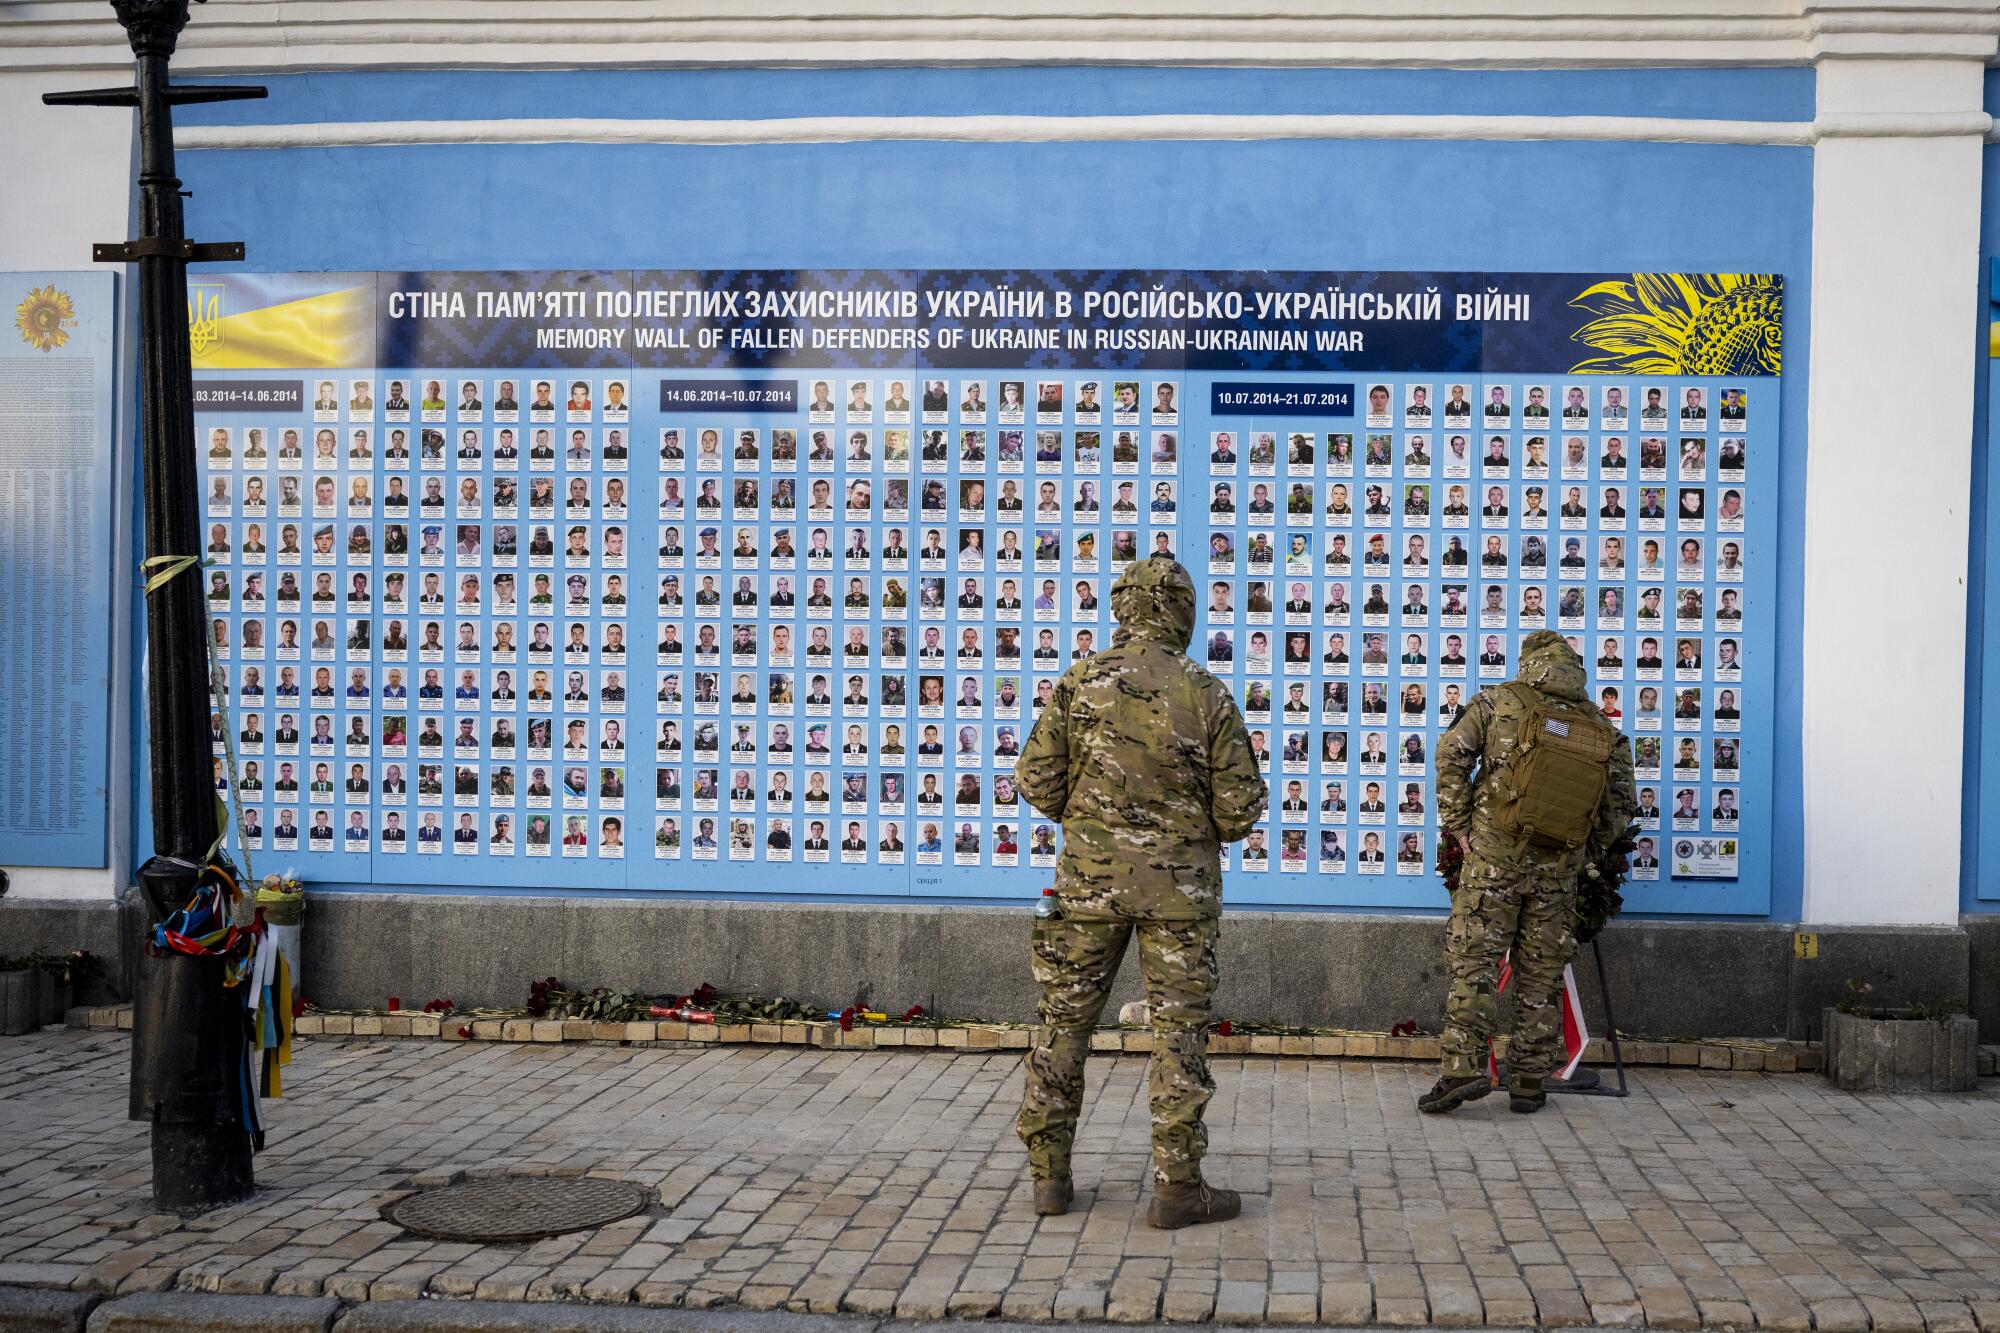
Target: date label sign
x: 1242, y: 398
x: 249, y: 395
x: 729, y: 396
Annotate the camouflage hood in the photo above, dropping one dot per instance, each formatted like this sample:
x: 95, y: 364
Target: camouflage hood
x: 1550, y: 665
x: 1154, y: 599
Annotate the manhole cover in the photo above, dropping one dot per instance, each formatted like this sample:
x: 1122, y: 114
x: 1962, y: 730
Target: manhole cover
x: 505, y: 1208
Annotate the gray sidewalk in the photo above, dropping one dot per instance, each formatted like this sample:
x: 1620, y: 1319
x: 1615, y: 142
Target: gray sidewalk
x: 890, y: 1185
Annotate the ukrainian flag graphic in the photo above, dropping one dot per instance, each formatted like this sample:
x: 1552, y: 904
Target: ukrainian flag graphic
x: 289, y: 321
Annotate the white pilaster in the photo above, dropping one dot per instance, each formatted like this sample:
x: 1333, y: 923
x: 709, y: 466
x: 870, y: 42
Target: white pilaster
x: 1895, y: 293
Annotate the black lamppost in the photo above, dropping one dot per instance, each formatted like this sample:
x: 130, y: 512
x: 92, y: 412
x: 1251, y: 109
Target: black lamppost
x: 188, y: 1030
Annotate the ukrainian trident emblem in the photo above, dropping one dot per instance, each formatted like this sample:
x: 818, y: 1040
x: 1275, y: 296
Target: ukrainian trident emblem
x: 204, y: 319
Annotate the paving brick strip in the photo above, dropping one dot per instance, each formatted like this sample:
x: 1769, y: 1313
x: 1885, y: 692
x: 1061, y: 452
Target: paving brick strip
x: 888, y: 1186
x: 186, y: 1312
x: 1775, y: 1056
x: 1739, y: 1053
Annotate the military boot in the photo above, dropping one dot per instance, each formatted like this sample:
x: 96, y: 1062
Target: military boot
x: 1449, y: 1093
x: 1176, y: 1206
x: 1527, y: 1101
x: 1053, y: 1196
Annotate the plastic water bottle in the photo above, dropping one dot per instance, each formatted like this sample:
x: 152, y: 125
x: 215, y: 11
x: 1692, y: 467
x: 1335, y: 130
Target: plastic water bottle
x: 1048, y: 907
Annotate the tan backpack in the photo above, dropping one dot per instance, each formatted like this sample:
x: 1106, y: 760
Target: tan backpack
x: 1559, y: 772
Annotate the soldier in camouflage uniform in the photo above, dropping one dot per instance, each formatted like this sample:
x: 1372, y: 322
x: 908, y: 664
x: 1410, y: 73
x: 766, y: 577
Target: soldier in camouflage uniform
x: 1512, y: 896
x: 1143, y: 757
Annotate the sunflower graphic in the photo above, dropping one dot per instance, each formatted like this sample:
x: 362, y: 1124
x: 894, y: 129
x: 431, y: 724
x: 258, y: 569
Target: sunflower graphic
x: 44, y: 317
x: 1683, y: 324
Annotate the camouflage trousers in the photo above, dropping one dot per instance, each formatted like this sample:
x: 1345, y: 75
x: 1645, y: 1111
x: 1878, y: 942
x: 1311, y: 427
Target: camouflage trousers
x: 1075, y: 962
x: 1501, y: 910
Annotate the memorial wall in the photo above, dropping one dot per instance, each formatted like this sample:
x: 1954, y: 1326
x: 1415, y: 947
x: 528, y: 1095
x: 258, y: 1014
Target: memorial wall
x: 753, y: 582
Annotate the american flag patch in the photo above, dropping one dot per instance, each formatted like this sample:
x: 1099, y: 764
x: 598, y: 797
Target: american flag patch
x: 1555, y: 726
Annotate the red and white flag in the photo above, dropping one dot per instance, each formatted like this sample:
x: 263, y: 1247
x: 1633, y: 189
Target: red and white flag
x: 1575, y: 1032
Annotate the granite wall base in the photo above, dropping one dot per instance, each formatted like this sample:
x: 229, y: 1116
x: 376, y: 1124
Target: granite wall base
x: 1370, y: 972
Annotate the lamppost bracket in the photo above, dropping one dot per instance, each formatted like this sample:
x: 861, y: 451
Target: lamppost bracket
x: 149, y: 247
x: 178, y: 94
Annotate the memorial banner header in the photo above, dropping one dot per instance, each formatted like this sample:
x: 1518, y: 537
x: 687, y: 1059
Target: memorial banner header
x: 1028, y: 319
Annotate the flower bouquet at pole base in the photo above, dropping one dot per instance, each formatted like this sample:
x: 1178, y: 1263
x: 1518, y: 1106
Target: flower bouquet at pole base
x: 281, y: 897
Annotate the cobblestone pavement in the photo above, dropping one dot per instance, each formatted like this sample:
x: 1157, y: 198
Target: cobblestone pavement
x: 891, y: 1184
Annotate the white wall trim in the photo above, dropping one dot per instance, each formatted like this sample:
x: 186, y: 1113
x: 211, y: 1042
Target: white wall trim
x: 235, y: 36
x: 1074, y: 129
x: 996, y: 129
x: 1901, y: 125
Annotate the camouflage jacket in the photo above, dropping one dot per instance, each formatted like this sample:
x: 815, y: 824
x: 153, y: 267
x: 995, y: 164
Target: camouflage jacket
x: 1486, y: 734
x: 1143, y: 757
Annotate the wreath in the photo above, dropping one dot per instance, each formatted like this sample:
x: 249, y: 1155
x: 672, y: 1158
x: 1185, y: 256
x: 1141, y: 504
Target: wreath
x: 1450, y: 862
x: 1597, y: 889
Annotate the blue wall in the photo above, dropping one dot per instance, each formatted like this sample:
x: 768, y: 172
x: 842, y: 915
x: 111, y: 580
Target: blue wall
x: 1279, y: 204
x: 1768, y: 94
x: 1980, y: 884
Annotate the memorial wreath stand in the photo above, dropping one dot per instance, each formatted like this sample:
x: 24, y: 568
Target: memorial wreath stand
x: 1587, y: 1082
x: 1583, y: 1082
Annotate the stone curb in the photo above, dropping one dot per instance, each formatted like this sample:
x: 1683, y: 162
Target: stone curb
x: 34, y: 1310
x: 24, y: 1309
x: 1752, y: 1056
x: 200, y: 1312
x: 544, y: 1317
